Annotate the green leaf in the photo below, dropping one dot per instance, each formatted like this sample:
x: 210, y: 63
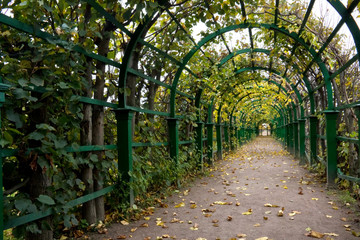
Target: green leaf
x: 94, y: 157
x: 22, y: 204
x: 60, y: 143
x: 45, y: 199
x: 45, y: 126
x: 37, y: 81
x: 14, y: 117
x: 8, y: 137
x: 109, y: 154
x: 36, y: 136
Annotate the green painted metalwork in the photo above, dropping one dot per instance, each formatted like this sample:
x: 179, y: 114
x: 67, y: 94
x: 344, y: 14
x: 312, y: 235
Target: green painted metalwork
x: 313, y: 138
x: 219, y: 141
x: 210, y: 140
x: 331, y: 149
x: 272, y: 27
x: 268, y: 52
x: 226, y: 137
x: 124, y: 145
x: 11, y: 223
x: 302, y: 140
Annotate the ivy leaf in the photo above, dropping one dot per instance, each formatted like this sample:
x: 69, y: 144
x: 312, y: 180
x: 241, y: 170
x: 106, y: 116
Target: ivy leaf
x: 60, y: 143
x: 37, y: 81
x: 45, y: 199
x: 36, y: 136
x: 45, y: 126
x: 22, y: 204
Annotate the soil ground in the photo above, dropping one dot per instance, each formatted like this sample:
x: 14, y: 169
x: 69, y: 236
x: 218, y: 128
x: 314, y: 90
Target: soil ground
x: 259, y: 192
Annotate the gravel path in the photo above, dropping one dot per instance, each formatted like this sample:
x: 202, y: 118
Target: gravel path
x: 259, y: 192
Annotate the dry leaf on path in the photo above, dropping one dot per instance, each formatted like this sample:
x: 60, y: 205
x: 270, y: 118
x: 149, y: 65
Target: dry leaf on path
x: 315, y: 234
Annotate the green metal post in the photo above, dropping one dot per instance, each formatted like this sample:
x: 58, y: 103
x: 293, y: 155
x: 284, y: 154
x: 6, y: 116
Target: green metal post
x: 237, y: 135
x: 210, y: 139
x: 313, y: 139
x: 173, y: 124
x: 302, y: 140
x: 226, y: 137
x: 124, y: 146
x: 199, y: 144
x: 3, y: 89
x: 296, y: 138
x: 291, y: 140
x: 232, y: 135
x: 173, y: 128
x: 296, y: 134
x: 357, y: 112
x: 331, y: 146
x: 219, y: 141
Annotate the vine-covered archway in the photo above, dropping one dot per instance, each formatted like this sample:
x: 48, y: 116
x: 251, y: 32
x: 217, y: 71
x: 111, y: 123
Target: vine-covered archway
x: 122, y: 97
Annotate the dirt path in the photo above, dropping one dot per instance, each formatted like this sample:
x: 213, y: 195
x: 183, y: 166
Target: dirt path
x: 253, y: 194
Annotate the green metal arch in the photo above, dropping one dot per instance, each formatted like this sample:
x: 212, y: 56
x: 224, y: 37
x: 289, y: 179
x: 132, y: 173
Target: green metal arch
x: 239, y: 100
x: 273, y: 71
x: 268, y: 52
x: 250, y: 25
x: 256, y: 106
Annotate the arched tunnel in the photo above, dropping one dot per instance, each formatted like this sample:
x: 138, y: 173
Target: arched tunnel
x: 134, y: 95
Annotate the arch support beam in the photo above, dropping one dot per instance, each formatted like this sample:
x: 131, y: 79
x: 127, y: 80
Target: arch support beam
x: 331, y: 146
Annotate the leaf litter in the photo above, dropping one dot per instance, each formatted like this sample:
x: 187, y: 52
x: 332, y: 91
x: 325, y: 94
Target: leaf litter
x: 249, y: 176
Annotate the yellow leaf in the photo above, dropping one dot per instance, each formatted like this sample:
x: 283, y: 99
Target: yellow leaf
x: 262, y: 238
x: 315, y: 234
x: 249, y: 212
x: 123, y: 222
x: 315, y: 199
x: 257, y: 225
x: 182, y: 204
x: 133, y: 229
x: 193, y: 206
x: 285, y: 187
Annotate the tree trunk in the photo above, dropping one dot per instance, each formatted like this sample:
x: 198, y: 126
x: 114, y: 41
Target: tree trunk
x: 39, y: 180
x: 98, y: 116
x: 88, y: 209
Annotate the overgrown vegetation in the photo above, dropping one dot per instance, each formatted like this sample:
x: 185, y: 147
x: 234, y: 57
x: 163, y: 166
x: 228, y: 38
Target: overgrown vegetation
x: 71, y: 65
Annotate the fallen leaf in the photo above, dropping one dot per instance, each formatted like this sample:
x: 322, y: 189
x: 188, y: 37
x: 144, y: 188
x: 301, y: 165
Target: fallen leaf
x: 280, y: 213
x: 182, y: 204
x: 343, y: 219
x: 147, y: 218
x: 328, y: 216
x: 121, y: 237
x: 265, y: 218
x: 315, y: 234
x: 144, y: 225
x: 332, y: 234
x: 174, y: 220
x: 249, y: 212
x: 133, y: 229
x: 268, y: 212
x: 241, y: 235
x: 257, y: 225
x: 315, y: 199
x: 166, y: 236
x: 147, y: 238
x: 300, y: 191
x: 123, y: 222
x: 262, y: 238
x: 347, y: 225
x: 356, y: 234
x: 193, y: 206
x: 229, y: 218
x: 215, y: 221
x: 237, y: 204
